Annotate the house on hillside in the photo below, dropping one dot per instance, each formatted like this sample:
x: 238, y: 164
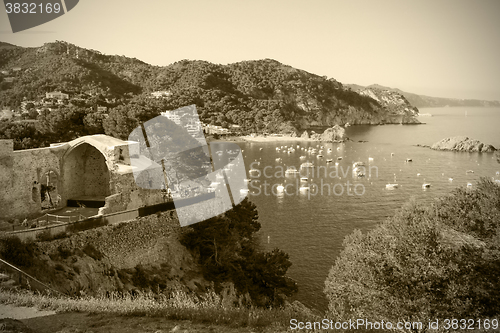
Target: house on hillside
x: 56, y: 95
x: 160, y: 94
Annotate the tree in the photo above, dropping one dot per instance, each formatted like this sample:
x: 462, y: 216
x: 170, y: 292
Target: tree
x: 227, y: 249
x: 424, y: 263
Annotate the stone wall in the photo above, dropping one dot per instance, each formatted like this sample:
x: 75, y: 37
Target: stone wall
x: 95, y: 165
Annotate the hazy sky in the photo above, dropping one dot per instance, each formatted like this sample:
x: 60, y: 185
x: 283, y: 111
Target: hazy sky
x: 438, y: 48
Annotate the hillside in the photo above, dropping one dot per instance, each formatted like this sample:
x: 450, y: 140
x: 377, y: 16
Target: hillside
x: 422, y: 101
x: 260, y: 96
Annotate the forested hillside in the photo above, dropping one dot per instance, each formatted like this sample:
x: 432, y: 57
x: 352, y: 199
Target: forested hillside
x: 259, y: 96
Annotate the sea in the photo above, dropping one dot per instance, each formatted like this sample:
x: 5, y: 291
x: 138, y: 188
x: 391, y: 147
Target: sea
x: 311, y: 224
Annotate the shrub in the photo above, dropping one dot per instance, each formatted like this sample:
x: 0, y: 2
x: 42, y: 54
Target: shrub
x: 16, y: 252
x: 92, y: 252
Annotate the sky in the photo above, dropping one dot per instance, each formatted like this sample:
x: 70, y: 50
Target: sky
x: 445, y: 48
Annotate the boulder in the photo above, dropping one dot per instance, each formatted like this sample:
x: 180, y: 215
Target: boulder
x: 305, y: 135
x: 463, y: 143
x: 333, y: 134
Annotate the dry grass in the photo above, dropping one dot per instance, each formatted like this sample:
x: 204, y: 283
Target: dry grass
x: 208, y: 308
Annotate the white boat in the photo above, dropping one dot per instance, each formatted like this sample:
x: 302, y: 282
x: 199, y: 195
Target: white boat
x: 303, y: 179
x: 426, y: 185
x: 302, y: 157
x: 307, y: 165
x: 450, y: 179
x: 304, y: 188
x: 339, y: 158
x: 329, y: 161
x: 469, y: 171
x: 280, y: 188
x: 253, y: 170
x: 408, y: 160
x: 469, y: 185
x: 393, y: 185
x: 358, y: 164
x: 291, y: 170
x: 329, y: 150
x: 319, y: 156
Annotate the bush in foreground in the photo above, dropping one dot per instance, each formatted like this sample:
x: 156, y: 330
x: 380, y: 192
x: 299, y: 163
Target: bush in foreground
x: 424, y: 263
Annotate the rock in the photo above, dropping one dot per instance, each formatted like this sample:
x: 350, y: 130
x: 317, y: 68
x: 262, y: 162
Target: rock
x: 305, y: 135
x: 334, y: 134
x: 463, y: 143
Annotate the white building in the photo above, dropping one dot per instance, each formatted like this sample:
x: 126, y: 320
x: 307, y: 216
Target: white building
x: 56, y: 95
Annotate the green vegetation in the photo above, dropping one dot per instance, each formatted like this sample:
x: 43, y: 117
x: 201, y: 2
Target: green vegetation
x: 259, y: 96
x: 435, y: 262
x: 227, y: 249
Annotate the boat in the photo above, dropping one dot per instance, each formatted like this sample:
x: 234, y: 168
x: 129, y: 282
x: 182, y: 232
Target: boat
x: 392, y: 186
x: 469, y: 185
x: 247, y: 180
x: 254, y: 170
x: 319, y: 156
x: 339, y: 158
x: 303, y: 179
x: 329, y: 150
x: 469, y: 171
x: 291, y: 170
x: 358, y: 164
x: 304, y: 188
x: 450, y: 179
x: 370, y: 159
x: 280, y: 187
x: 347, y: 125
x: 307, y: 165
x: 329, y: 160
x: 408, y: 160
x: 302, y: 157
x: 426, y: 185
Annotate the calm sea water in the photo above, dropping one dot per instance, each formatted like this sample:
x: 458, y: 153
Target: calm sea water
x: 310, y: 225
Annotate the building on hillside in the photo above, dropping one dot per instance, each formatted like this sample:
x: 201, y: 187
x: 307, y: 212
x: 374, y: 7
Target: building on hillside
x: 102, y: 108
x: 9, y: 79
x: 56, y: 95
x: 161, y: 94
x: 6, y: 114
x: 171, y: 115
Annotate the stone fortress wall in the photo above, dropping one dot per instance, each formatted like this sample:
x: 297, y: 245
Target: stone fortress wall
x: 90, y: 166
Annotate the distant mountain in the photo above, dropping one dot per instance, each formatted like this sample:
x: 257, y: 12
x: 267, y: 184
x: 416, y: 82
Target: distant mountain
x: 261, y: 96
x: 421, y: 101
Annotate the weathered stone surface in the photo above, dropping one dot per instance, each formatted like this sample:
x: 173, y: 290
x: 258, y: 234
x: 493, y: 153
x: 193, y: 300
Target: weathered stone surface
x: 305, y: 135
x: 90, y: 166
x: 333, y: 134
x: 463, y: 143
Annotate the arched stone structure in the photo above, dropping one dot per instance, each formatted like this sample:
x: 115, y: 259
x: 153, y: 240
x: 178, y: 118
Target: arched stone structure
x: 85, y: 173
x: 91, y: 166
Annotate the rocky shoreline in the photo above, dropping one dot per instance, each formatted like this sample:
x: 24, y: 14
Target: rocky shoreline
x: 461, y: 144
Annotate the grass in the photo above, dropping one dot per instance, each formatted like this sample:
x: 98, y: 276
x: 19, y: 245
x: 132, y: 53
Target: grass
x: 208, y: 308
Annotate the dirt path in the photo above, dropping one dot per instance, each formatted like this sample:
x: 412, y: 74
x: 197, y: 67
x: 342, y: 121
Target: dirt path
x: 86, y: 323
x: 19, y: 312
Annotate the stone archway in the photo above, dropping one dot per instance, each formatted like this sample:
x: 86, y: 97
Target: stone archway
x: 85, y: 174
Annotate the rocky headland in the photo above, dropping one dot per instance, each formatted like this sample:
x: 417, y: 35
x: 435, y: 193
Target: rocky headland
x: 462, y: 143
